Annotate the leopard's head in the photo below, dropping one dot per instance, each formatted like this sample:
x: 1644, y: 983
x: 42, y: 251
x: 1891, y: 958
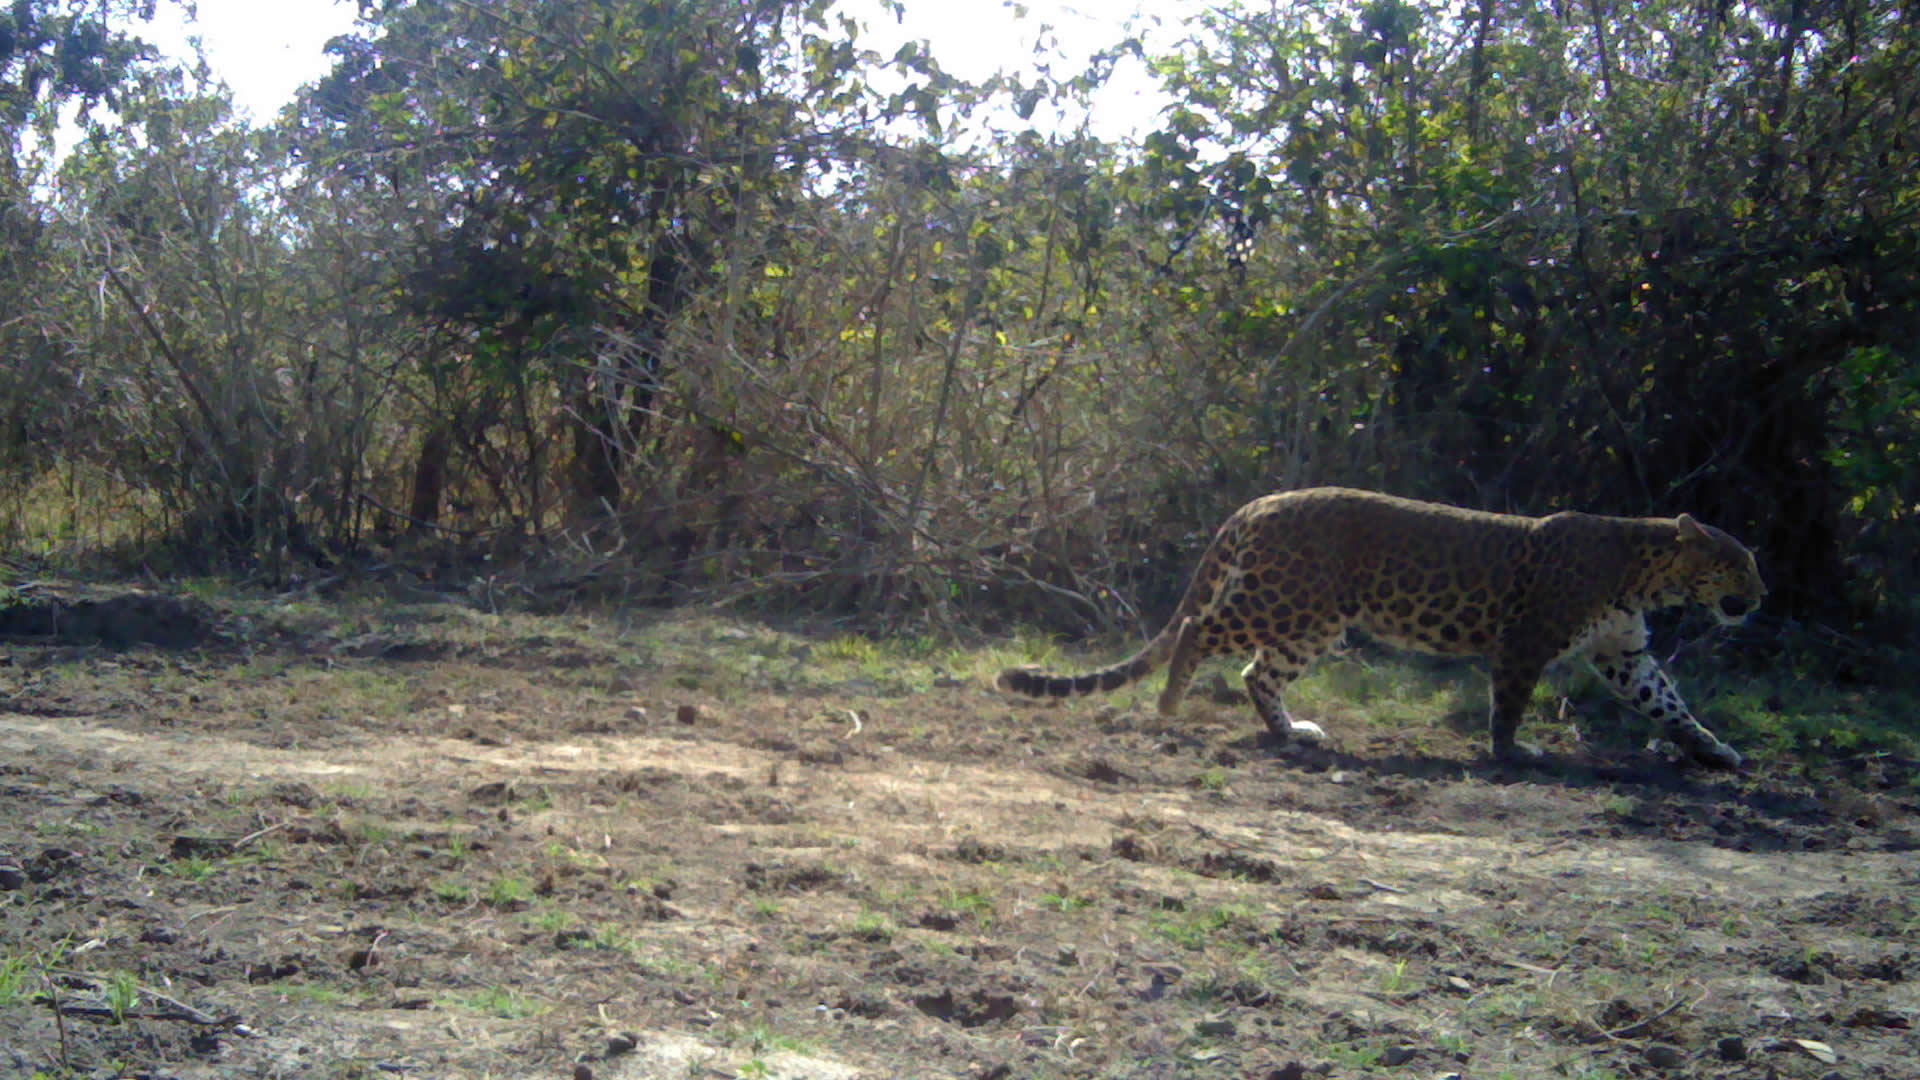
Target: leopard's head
x: 1719, y: 572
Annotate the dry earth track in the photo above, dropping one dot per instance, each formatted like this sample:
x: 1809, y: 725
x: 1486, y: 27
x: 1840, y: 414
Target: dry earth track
x: 560, y: 847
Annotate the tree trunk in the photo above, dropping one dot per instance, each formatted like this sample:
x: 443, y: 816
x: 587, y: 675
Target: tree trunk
x: 429, y: 480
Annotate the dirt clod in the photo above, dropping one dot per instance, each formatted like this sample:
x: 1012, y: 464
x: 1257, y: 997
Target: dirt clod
x: 975, y: 1009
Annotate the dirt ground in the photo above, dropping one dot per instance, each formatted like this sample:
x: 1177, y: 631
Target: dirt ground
x: 445, y: 844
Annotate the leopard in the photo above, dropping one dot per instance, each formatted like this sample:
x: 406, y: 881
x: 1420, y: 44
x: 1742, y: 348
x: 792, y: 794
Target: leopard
x: 1289, y: 575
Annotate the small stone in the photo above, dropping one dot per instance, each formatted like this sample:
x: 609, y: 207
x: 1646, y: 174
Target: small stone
x: 1398, y: 1055
x: 686, y: 714
x: 12, y: 877
x: 1220, y: 1027
x: 1662, y: 1056
x: 623, y: 1043
x: 582, y: 1071
x: 493, y: 793
x: 637, y: 714
x: 1732, y: 1048
x: 294, y: 793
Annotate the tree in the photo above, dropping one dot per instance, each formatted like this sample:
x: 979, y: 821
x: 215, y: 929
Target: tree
x: 51, y: 55
x: 178, y: 317
x: 577, y: 174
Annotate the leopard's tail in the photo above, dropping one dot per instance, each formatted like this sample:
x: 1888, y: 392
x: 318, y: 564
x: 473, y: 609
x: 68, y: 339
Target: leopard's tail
x: 1039, y: 683
x: 1035, y: 682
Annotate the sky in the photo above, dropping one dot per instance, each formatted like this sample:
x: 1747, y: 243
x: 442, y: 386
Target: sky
x: 266, y: 58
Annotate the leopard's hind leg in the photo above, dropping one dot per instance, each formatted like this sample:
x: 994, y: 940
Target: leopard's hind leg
x: 1186, y: 656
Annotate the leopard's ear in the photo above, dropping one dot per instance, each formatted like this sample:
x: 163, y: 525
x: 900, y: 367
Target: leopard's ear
x: 1690, y: 529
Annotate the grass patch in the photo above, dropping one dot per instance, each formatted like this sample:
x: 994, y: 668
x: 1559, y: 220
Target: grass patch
x: 376, y: 693
x: 1393, y: 979
x: 122, y: 993
x: 551, y: 919
x: 509, y: 891
x: 503, y: 1002
x: 1510, y: 1006
x: 1457, y: 1043
x: 1775, y: 717
x: 1200, y: 928
x: 1362, y: 1055
x: 354, y: 790
x: 970, y: 903
x: 67, y: 828
x: 372, y: 833
x: 853, y: 649
x: 573, y: 856
x: 317, y: 994
x: 616, y: 938
x: 760, y: 1038
x: 1214, y: 779
x: 16, y: 975
x: 191, y: 868
x: 535, y: 800
x: 872, y: 926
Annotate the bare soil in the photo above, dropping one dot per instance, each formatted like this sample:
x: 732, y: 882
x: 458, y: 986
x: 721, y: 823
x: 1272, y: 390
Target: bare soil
x: 455, y: 845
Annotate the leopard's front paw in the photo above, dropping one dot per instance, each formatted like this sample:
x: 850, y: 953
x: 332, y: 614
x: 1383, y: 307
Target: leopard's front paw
x: 1306, y: 732
x: 1714, y: 754
x: 1286, y: 731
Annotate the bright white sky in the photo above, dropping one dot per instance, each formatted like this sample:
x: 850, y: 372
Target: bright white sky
x: 265, y: 52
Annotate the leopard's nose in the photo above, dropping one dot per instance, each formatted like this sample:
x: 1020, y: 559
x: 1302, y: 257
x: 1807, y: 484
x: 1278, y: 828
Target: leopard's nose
x: 1734, y: 606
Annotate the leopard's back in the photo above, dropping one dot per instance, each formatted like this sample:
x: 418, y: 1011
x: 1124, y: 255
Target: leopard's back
x: 1300, y: 565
